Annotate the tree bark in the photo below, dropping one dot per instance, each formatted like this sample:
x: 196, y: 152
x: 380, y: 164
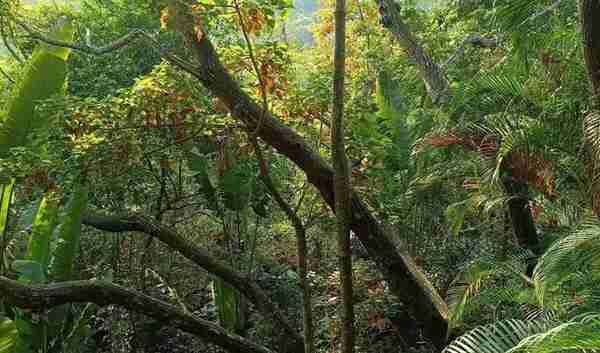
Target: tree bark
x: 438, y: 89
x: 244, y: 285
x: 406, y: 280
x: 301, y: 249
x: 590, y: 28
x: 432, y: 74
x: 522, y: 219
x: 589, y: 11
x: 44, y: 297
x: 341, y: 180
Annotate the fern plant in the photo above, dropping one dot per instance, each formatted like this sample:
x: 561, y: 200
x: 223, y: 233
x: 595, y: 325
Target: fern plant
x: 565, y: 285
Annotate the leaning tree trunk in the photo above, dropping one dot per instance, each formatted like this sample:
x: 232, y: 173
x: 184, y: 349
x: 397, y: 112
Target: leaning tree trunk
x: 522, y: 218
x: 438, y: 88
x: 589, y: 11
x: 405, y: 279
x: 590, y: 28
x: 341, y: 181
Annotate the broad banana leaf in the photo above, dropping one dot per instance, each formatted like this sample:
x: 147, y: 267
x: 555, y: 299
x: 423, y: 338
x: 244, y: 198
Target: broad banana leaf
x: 5, y: 198
x: 69, y: 234
x: 41, y: 234
x: 230, y: 310
x: 44, y: 77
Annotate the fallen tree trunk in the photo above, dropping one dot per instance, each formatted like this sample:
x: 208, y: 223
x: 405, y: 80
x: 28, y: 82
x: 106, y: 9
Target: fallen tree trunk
x: 136, y: 223
x: 43, y: 297
x: 405, y: 279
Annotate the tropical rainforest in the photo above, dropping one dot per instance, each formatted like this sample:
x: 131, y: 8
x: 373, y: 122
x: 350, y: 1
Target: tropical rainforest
x: 261, y: 176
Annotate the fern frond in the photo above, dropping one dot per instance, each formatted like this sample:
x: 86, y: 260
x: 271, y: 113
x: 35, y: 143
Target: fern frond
x: 580, y: 334
x: 565, y: 257
x: 498, y: 337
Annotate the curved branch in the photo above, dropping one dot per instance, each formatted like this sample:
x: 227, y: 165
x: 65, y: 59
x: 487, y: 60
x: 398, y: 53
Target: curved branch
x: 39, y: 298
x: 406, y: 280
x: 476, y: 40
x: 432, y: 74
x: 137, y: 223
x: 115, y: 45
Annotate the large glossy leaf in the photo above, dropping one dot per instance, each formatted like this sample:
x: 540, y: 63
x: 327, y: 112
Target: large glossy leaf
x: 69, y: 235
x: 43, y: 226
x: 5, y: 199
x: 44, y: 76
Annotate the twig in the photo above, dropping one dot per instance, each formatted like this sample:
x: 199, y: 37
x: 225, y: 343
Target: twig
x: 118, y: 44
x: 475, y: 40
x: 263, y: 91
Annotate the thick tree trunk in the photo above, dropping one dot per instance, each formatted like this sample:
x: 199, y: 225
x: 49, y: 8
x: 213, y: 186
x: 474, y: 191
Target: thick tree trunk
x: 117, y: 224
x: 522, y: 218
x: 341, y: 180
x: 589, y: 10
x: 406, y: 280
x: 40, y: 298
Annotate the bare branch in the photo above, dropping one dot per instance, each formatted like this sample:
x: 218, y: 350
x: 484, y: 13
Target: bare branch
x: 118, y: 44
x: 432, y: 74
x: 543, y: 12
x: 475, y: 40
x: 137, y: 223
x: 301, y: 246
x: 43, y: 297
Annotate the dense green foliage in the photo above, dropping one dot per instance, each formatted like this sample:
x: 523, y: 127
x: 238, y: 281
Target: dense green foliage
x: 493, y: 193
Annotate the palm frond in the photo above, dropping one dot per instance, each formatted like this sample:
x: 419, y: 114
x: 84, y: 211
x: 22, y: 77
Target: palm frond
x: 466, y: 285
x: 498, y: 337
x: 579, y: 334
x: 566, y: 257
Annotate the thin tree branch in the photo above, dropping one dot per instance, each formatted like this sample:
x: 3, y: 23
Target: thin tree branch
x: 43, y: 297
x: 406, y: 280
x: 115, y: 45
x: 301, y: 246
x: 138, y: 223
x: 476, y: 40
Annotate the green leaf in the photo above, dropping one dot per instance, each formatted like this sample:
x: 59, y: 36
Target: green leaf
x: 228, y: 303
x: 69, y: 235
x: 198, y: 164
x: 498, y: 337
x: 8, y: 335
x: 43, y: 226
x: 455, y: 214
x: 44, y: 77
x: 30, y: 271
x: 236, y: 186
x: 5, y: 200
